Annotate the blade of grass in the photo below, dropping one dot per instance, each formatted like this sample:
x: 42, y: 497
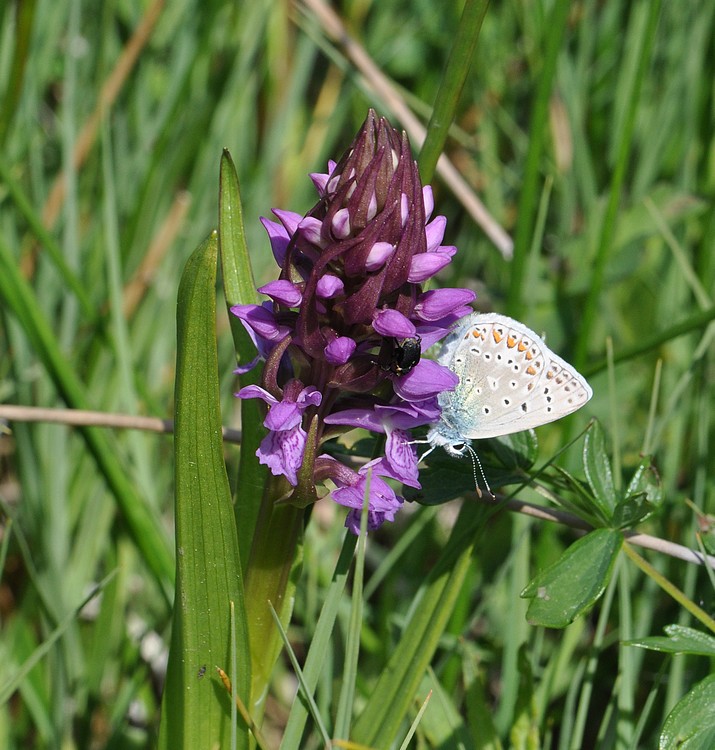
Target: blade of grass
x: 694, y: 322
x: 320, y: 641
x: 529, y: 196
x: 13, y: 682
x: 46, y: 240
x: 455, y: 74
x: 394, y: 692
x: 346, y: 701
x: 144, y: 527
x: 413, y: 727
x: 307, y: 691
x: 642, y: 33
x: 20, y: 55
x: 208, y: 571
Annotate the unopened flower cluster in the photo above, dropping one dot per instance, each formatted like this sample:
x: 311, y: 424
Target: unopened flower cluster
x: 345, y: 323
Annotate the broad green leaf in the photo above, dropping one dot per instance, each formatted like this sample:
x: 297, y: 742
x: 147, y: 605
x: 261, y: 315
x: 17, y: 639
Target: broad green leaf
x: 691, y: 723
x: 598, y: 470
x: 518, y: 450
x: 575, y: 581
x: 240, y: 289
x: 681, y: 640
x: 196, y: 708
x: 396, y: 689
x: 447, y: 477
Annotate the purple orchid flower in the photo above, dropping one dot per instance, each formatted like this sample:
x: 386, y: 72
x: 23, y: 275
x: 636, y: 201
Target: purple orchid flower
x: 347, y: 322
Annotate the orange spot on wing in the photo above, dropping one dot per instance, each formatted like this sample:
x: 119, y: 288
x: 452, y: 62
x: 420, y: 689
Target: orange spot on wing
x: 522, y: 346
x: 529, y: 356
x: 497, y: 336
x: 510, y: 342
x: 530, y: 369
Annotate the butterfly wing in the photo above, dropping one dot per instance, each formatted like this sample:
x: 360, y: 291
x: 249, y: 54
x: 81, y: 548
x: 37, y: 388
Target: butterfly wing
x: 509, y: 380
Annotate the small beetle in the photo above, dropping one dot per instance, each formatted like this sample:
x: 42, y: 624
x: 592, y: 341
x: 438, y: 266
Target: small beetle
x: 399, y: 356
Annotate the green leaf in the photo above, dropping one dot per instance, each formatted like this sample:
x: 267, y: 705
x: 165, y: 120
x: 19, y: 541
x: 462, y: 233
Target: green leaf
x: 580, y: 500
x: 681, y: 640
x: 240, y: 289
x: 646, y: 480
x: 691, y: 723
x: 643, y: 496
x: 196, y: 708
x: 598, y: 470
x: 632, y: 511
x: 447, y: 477
x: 516, y: 451
x: 274, y: 566
x: 575, y: 581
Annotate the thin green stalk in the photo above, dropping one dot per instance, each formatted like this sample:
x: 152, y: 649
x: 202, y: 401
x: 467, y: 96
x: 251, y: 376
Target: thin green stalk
x: 693, y: 323
x: 591, y: 310
x: 628, y: 670
x: 352, y: 641
x: 455, y: 74
x: 13, y: 86
x: 669, y: 588
x: 577, y: 735
x: 529, y: 197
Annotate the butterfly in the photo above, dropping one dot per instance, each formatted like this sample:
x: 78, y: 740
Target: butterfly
x: 509, y: 381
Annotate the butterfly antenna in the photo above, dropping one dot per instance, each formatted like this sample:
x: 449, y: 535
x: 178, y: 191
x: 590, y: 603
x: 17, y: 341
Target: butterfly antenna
x: 477, y: 463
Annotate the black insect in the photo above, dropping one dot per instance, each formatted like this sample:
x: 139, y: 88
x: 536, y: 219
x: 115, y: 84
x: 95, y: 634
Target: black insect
x: 399, y: 356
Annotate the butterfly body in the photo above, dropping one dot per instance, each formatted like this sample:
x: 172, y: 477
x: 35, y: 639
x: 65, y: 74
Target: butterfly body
x: 509, y: 381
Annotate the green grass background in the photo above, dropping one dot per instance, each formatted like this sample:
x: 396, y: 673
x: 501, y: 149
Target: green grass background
x: 605, y: 180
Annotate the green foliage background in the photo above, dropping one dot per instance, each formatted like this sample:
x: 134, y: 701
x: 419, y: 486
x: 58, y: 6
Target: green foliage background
x: 605, y: 180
